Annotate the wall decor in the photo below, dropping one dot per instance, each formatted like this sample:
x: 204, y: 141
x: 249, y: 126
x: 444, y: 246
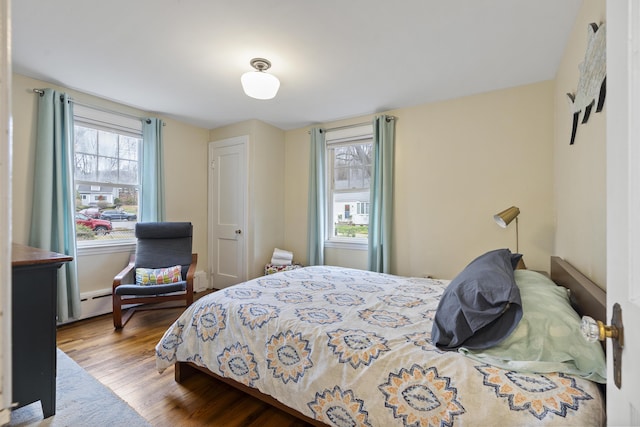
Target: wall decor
x: 592, y: 84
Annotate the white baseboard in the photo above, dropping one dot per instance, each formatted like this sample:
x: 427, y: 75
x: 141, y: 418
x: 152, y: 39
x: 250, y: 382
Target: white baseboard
x: 200, y: 282
x: 95, y: 303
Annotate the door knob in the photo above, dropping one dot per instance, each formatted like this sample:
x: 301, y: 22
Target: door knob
x: 595, y: 330
x: 238, y: 231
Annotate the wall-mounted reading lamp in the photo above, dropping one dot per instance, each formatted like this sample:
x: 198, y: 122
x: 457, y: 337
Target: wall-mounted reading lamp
x: 505, y: 217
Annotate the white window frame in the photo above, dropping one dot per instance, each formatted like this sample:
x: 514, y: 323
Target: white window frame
x: 112, y: 122
x: 335, y: 137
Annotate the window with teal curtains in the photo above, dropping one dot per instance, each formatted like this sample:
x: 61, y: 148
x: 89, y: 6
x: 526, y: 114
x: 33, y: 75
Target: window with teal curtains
x: 317, y: 198
x: 53, y: 212
x: 152, y: 204
x: 381, y: 198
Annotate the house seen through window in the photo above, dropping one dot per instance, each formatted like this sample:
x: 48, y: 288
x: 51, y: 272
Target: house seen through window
x: 349, y: 157
x: 107, y: 150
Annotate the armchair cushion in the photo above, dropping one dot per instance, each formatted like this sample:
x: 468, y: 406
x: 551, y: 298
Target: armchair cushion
x: 163, y: 244
x: 158, y: 276
x: 151, y: 290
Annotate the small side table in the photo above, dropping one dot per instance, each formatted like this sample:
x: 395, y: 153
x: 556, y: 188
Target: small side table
x: 274, y: 268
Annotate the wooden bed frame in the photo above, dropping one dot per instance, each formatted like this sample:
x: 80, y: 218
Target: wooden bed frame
x: 587, y: 298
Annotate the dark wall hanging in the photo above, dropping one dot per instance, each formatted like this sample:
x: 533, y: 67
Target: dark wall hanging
x: 592, y: 84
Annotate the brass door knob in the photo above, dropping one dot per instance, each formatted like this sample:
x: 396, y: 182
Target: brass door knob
x: 594, y: 330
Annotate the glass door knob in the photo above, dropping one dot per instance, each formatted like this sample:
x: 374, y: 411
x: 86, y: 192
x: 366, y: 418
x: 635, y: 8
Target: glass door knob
x: 594, y: 330
x: 590, y: 329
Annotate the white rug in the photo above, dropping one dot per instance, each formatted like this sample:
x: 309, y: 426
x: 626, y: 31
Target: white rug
x: 81, y: 401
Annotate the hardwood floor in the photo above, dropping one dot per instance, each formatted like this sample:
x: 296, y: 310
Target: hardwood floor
x: 124, y: 361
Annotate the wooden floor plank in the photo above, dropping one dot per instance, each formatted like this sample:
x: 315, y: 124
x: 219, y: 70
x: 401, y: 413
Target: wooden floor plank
x: 124, y: 361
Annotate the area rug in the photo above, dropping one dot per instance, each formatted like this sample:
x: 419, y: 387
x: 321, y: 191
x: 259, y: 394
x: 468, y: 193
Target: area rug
x: 81, y: 400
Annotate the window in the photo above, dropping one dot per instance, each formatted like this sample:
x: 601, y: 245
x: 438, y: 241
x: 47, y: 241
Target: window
x: 349, y: 157
x: 107, y: 150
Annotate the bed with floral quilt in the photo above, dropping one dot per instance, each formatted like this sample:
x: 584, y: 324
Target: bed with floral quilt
x: 345, y: 347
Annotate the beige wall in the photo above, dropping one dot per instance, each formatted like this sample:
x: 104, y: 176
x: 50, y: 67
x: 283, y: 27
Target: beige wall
x: 457, y: 164
x: 185, y: 150
x: 267, y: 160
x: 580, y: 169
x: 461, y: 161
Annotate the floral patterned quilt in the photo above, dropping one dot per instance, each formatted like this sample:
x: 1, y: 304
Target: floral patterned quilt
x: 352, y: 348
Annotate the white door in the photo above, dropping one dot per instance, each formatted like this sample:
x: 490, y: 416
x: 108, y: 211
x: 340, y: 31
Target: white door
x: 5, y: 212
x: 227, y: 211
x: 623, y: 203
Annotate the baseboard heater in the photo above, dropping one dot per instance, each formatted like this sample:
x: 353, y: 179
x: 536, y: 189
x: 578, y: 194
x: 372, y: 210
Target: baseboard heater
x: 97, y: 303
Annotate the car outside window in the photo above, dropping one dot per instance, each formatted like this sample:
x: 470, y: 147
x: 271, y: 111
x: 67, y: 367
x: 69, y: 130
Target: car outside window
x: 118, y: 215
x: 96, y: 226
x: 107, y: 151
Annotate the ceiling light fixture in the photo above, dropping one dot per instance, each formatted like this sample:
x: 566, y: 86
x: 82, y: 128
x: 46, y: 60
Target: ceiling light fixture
x: 258, y: 84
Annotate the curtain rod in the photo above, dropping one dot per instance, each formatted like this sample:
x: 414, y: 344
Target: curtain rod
x: 355, y: 125
x: 106, y: 110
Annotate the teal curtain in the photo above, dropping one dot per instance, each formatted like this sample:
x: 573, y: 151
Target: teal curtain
x: 53, y: 212
x: 152, y: 204
x: 317, y: 198
x: 381, y: 197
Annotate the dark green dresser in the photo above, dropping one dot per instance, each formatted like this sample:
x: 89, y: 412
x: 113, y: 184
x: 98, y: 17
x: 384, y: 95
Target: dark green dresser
x: 34, y: 310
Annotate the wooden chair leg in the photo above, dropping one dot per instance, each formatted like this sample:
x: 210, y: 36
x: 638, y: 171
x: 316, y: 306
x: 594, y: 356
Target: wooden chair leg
x: 126, y: 315
x: 117, y: 311
x: 121, y: 317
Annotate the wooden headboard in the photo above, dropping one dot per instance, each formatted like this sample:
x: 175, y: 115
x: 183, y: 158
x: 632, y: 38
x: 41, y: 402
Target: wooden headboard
x: 587, y: 297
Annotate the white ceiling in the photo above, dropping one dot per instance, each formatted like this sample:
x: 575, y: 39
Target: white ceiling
x: 335, y: 59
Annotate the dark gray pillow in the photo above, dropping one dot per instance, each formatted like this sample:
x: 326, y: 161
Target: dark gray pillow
x: 515, y: 260
x: 481, y: 306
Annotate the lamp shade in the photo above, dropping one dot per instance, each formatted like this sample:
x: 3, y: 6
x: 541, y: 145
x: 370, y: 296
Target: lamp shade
x: 260, y: 85
x: 506, y: 216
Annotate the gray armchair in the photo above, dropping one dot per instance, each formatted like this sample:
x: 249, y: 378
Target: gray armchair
x: 160, y: 249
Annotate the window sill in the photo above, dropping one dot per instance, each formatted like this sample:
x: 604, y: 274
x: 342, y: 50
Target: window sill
x: 105, y: 247
x: 346, y: 244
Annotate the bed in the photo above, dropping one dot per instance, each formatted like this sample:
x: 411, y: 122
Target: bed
x: 338, y: 346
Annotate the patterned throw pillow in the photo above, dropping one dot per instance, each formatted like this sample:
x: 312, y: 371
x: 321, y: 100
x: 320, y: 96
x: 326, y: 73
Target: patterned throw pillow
x: 158, y: 276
